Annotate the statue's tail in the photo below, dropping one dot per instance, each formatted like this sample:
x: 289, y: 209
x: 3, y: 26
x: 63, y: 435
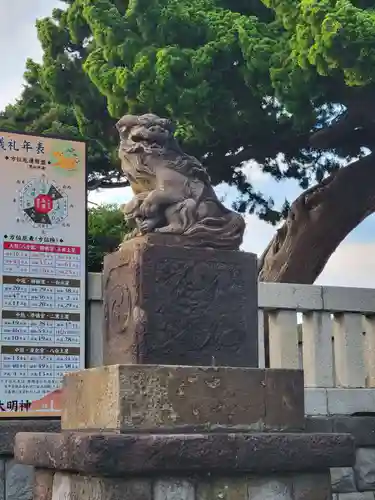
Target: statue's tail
x: 224, y: 232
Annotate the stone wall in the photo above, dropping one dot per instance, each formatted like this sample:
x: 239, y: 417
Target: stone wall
x: 288, y: 487
x: 358, y: 482
x: 16, y: 480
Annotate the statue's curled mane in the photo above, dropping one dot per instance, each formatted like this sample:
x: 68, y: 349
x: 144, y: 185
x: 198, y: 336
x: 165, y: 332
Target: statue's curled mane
x: 150, y: 136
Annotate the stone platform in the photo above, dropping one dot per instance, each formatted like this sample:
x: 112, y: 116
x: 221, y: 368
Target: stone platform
x: 183, y: 433
x: 119, y: 455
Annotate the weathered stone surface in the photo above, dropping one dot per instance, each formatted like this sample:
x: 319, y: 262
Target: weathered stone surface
x: 270, y: 489
x: 312, y: 487
x: 62, y: 487
x: 174, y: 489
x: 364, y: 469
x: 9, y: 428
x: 169, y: 304
x: 135, y: 398
x: 342, y: 479
x: 361, y: 427
x: 367, y: 495
x: 19, y: 480
x: 316, y: 401
x: 75, y: 487
x: 2, y: 479
x: 284, y: 399
x: 118, y: 454
x: 226, y: 488
x: 319, y: 424
x: 43, y: 481
x: 271, y: 486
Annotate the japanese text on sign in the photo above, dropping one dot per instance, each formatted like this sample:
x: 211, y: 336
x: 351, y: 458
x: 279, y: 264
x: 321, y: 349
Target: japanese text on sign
x: 43, y: 270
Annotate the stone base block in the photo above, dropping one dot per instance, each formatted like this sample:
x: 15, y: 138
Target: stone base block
x: 362, y: 428
x: 119, y: 455
x: 364, y: 469
x: 43, y: 484
x: 343, y: 480
x: 168, y: 304
x: 71, y: 486
x: 142, y: 398
x: 280, y: 487
x: 18, y: 481
x: 9, y: 429
x: 367, y: 495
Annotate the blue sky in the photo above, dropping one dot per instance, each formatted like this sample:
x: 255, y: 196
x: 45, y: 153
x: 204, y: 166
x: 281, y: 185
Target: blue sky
x: 353, y: 264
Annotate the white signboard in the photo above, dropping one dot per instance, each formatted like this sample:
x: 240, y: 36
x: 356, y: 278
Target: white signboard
x: 43, y: 270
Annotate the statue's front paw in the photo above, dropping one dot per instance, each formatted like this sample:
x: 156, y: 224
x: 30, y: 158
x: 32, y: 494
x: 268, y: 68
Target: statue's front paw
x: 147, y: 225
x: 144, y: 227
x: 147, y: 209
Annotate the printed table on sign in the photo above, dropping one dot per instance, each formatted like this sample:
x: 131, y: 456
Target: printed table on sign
x: 35, y: 370
x: 40, y: 327
x: 43, y: 260
x: 22, y: 292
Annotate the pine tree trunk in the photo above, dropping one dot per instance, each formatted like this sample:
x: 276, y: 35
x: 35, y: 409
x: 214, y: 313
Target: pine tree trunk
x: 318, y: 221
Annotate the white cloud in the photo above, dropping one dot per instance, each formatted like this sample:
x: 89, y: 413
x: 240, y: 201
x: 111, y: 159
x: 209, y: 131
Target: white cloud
x: 257, y: 234
x: 18, y: 41
x: 353, y: 264
x: 254, y: 173
x: 109, y: 196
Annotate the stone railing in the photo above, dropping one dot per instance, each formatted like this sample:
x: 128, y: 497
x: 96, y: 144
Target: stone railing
x: 330, y: 333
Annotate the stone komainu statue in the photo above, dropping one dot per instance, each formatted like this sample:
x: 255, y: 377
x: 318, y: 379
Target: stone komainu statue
x: 173, y: 193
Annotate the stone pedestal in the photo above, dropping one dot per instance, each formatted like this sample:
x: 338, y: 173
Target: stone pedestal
x: 176, y: 399
x: 170, y: 304
x: 183, y: 433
